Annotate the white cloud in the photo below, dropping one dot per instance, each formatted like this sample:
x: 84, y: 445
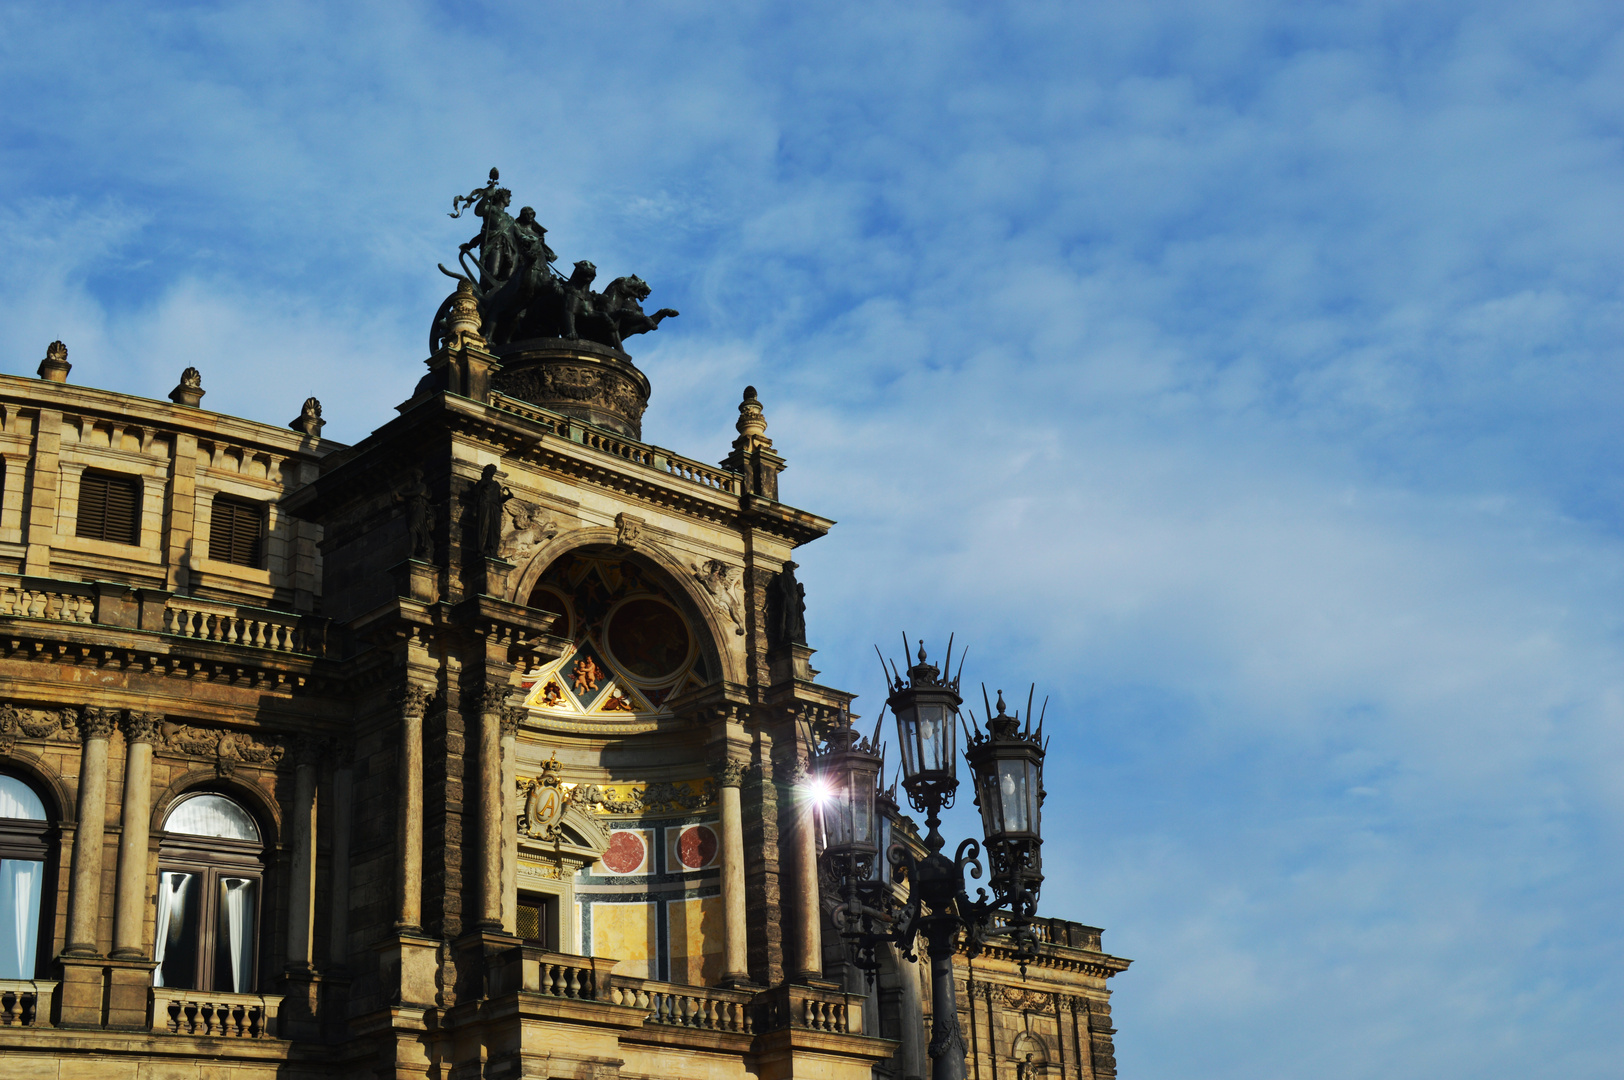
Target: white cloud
x: 1246, y: 375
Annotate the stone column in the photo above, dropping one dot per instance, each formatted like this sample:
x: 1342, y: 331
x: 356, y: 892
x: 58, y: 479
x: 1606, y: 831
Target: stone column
x: 409, y: 816
x: 130, y: 898
x: 302, y: 886
x: 84, y: 898
x: 491, y: 703
x: 736, y: 960
x: 510, y: 821
x: 338, y: 916
x: 809, y: 944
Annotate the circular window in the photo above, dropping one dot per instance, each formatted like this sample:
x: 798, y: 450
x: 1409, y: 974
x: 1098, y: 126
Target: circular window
x: 648, y: 639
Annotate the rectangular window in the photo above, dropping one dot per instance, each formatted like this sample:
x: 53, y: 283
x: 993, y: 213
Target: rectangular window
x: 109, y: 508
x: 536, y: 921
x: 236, y: 531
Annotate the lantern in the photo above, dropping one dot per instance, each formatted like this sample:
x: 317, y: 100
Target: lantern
x: 850, y: 770
x: 1008, y: 767
x: 927, y: 712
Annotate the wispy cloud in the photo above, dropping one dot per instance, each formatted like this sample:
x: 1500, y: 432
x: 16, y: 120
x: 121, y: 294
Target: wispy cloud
x: 1245, y: 375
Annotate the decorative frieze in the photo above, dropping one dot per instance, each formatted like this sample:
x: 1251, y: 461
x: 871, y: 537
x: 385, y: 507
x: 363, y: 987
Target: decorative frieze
x: 229, y: 749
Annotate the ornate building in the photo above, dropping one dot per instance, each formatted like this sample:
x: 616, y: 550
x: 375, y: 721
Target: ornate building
x: 476, y: 749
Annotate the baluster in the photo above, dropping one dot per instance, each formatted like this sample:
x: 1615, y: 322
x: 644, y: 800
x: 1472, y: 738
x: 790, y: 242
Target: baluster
x: 234, y: 630
x: 572, y: 985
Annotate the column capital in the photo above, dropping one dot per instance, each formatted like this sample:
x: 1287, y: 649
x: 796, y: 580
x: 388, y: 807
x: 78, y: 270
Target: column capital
x: 414, y: 698
x: 510, y: 718
x: 490, y: 699
x: 729, y: 771
x: 96, y: 723
x: 140, y: 727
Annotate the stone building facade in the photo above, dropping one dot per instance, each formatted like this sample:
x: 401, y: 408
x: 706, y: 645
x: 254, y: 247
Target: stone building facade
x: 469, y: 750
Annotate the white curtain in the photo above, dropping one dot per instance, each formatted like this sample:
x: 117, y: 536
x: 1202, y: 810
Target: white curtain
x: 18, y: 801
x: 20, y: 882
x: 212, y: 815
x: 237, y: 915
x: 171, y: 916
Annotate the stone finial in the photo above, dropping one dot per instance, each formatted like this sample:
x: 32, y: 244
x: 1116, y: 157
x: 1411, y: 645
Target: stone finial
x: 752, y: 423
x: 463, y: 322
x: 55, y: 366
x: 753, y: 453
x: 189, y: 391
x: 309, y: 419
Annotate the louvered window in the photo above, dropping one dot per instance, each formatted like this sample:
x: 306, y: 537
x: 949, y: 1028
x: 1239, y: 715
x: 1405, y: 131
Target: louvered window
x: 236, y: 531
x: 109, y: 508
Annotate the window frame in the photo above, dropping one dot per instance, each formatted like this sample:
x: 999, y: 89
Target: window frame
x: 238, y: 508
x: 212, y: 858
x: 110, y: 479
x: 549, y: 906
x: 28, y: 840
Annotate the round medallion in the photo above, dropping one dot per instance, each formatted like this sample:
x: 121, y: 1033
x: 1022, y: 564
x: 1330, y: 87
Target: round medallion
x: 649, y: 639
x: 696, y: 847
x: 626, y: 853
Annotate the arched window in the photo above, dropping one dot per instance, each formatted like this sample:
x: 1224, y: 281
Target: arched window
x: 23, y: 852
x: 210, y: 867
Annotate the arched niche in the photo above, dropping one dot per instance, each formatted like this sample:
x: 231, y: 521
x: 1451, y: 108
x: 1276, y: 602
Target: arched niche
x: 638, y: 640
x: 714, y: 631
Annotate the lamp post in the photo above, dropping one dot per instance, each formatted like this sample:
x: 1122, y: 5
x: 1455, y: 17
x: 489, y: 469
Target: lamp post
x: 1007, y: 765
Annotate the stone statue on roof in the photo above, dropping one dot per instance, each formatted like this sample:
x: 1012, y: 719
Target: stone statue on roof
x: 523, y: 297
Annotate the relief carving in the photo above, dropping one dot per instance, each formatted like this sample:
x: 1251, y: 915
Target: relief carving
x: 35, y: 724
x: 722, y: 583
x: 628, y: 527
x: 229, y: 749
x: 525, y: 529
x: 1028, y: 1000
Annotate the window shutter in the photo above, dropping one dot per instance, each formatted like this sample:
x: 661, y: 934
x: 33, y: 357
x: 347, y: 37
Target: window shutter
x: 109, y: 508
x: 236, y: 529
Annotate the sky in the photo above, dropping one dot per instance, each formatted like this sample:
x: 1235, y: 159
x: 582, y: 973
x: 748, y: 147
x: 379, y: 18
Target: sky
x: 1245, y: 375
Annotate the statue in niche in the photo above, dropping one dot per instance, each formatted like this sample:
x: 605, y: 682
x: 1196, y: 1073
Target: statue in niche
x: 521, y: 296
x: 787, y: 602
x: 419, y: 515
x: 488, y: 497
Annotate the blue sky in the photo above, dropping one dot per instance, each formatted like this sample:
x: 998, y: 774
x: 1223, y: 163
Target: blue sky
x: 1247, y: 375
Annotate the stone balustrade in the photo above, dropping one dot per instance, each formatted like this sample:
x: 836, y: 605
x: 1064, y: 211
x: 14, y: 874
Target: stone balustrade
x: 674, y: 1005
x: 231, y: 624
x: 26, y: 1002
x: 811, y: 1008
x: 629, y: 449
x: 213, y: 1015
x: 43, y: 598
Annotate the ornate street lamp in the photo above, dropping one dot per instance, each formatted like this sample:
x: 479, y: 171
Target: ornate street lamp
x: 1007, y: 763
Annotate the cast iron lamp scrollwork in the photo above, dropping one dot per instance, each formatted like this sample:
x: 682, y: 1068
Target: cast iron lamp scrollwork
x: 1007, y: 766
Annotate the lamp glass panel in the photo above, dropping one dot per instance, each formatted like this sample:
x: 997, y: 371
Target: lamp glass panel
x: 992, y: 818
x: 860, y: 788
x: 1015, y: 794
x: 905, y: 735
x: 935, y: 738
